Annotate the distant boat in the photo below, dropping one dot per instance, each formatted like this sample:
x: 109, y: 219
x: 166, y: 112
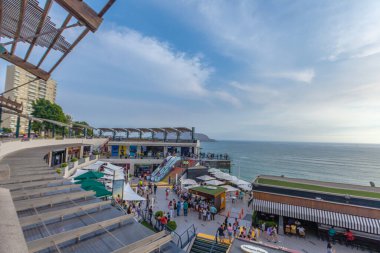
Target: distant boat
x: 252, y: 249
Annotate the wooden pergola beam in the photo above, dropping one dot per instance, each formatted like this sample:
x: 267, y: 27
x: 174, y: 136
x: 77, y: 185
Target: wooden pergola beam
x: 21, y: 179
x: 51, y: 241
x: 26, y: 66
x: 23, y: 4
x: 33, y: 219
x: 152, y: 246
x: 81, y: 11
x: 48, y: 5
x: 141, y: 243
x: 51, y: 200
x: 27, y: 193
x: 20, y: 186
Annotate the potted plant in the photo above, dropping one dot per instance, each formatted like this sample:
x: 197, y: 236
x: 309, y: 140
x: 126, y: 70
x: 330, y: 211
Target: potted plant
x: 172, y: 225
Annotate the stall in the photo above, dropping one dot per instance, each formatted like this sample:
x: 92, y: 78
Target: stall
x: 214, y: 194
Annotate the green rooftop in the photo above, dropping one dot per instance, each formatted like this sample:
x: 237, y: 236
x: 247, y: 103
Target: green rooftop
x: 318, y: 188
x: 211, y: 190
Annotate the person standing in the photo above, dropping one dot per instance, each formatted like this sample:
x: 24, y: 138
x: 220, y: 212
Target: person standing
x: 171, y: 209
x: 167, y: 193
x: 230, y: 232
x: 174, y: 206
x: 185, y: 207
x: 213, y: 211
x: 330, y: 248
x: 331, y: 234
x: 178, y: 208
x: 150, y: 213
x: 220, y: 233
x: 155, y: 188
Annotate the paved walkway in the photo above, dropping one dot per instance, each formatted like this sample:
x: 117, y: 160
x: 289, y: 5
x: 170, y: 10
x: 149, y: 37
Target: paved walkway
x: 308, y: 245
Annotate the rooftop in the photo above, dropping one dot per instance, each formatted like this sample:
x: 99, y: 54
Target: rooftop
x: 211, y: 190
x: 318, y: 186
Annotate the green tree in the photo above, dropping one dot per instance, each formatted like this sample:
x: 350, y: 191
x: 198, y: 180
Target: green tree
x: 79, y: 130
x: 7, y: 130
x: 45, y: 109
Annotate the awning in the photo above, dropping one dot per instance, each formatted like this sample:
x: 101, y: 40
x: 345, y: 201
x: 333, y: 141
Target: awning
x: 205, y: 178
x: 352, y: 222
x: 130, y: 195
x: 214, y: 182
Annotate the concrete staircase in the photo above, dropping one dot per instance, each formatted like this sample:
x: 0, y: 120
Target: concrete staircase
x: 203, y: 245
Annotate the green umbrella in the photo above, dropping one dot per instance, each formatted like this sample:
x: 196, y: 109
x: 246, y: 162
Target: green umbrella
x: 89, y: 183
x: 89, y: 175
x: 100, y: 191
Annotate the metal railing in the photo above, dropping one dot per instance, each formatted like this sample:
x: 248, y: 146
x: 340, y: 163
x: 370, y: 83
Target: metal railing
x: 181, y: 240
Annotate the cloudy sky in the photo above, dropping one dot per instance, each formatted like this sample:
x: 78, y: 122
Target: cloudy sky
x: 241, y: 70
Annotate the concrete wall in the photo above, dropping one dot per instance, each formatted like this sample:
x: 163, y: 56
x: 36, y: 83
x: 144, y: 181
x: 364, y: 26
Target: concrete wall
x: 13, y: 146
x: 69, y: 172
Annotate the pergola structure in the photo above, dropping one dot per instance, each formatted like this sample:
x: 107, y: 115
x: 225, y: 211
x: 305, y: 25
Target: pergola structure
x: 31, y: 24
x: 164, y: 130
x: 27, y: 22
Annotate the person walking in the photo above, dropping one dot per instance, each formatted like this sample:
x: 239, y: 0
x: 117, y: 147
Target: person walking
x: 171, y: 209
x: 150, y: 214
x: 167, y: 193
x: 174, y: 206
x: 155, y: 188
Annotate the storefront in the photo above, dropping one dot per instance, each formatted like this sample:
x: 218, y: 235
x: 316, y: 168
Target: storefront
x: 144, y: 170
x: 214, y: 194
x: 73, y: 152
x: 58, y: 157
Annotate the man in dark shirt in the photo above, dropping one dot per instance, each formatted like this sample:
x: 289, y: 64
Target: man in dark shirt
x: 221, y: 233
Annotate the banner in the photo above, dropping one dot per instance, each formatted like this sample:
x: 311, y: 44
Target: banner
x: 118, y: 189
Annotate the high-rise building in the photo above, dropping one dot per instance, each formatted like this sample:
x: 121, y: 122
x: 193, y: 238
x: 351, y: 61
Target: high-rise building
x: 25, y: 94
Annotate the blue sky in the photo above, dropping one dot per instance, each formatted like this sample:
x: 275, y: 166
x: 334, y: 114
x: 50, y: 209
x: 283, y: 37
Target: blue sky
x: 245, y: 70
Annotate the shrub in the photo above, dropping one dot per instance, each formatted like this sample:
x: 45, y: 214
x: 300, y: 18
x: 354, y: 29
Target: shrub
x: 95, y: 152
x: 63, y: 165
x: 268, y: 223
x: 158, y: 214
x: 74, y: 159
x: 172, y: 225
x: 59, y: 171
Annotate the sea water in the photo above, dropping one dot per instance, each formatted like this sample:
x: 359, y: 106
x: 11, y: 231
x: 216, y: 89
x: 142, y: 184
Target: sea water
x: 342, y: 163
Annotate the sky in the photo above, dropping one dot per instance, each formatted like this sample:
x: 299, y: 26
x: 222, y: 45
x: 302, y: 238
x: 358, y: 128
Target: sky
x: 235, y: 70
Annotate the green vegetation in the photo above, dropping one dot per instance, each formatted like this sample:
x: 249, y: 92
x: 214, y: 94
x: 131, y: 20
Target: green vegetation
x: 319, y: 188
x: 45, y: 109
x: 7, y: 130
x: 59, y: 171
x: 74, y: 159
x: 146, y: 224
x: 79, y: 131
x: 268, y: 223
x: 211, y: 190
x: 172, y: 225
x: 158, y: 214
x: 63, y: 165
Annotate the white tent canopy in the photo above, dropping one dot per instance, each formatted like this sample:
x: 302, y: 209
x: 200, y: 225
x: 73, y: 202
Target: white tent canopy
x: 224, y: 176
x: 205, y: 178
x: 188, y: 182
x: 130, y: 195
x: 213, y: 170
x: 214, y: 182
x: 229, y: 188
x: 79, y: 172
x: 240, y: 182
x: 95, y: 166
x: 114, y: 167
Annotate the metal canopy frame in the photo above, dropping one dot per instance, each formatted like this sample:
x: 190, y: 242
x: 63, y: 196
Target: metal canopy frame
x: 25, y: 21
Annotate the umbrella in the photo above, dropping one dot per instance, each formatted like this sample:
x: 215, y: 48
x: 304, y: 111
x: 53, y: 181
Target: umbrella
x: 89, y: 175
x: 89, y: 183
x: 100, y: 191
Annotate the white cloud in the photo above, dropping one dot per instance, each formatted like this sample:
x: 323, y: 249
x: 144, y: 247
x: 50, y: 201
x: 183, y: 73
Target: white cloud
x: 305, y: 76
x: 227, y: 97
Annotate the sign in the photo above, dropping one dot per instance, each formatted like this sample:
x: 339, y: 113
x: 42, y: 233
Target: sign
x: 118, y: 189
x: 122, y: 150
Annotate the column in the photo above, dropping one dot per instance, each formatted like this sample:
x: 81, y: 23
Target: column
x: 140, y: 134
x: 18, y: 126
x: 193, y: 133
x: 280, y: 225
x: 165, y: 136
x: 81, y: 151
x: 165, y: 150
x: 178, y: 135
x: 138, y: 150
x: 127, y: 134
x: 100, y: 133
x: 29, y: 127
x: 1, y: 112
x: 114, y: 135
x: 66, y: 155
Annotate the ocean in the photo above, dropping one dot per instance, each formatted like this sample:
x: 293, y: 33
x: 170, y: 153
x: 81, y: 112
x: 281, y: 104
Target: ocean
x: 341, y: 163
